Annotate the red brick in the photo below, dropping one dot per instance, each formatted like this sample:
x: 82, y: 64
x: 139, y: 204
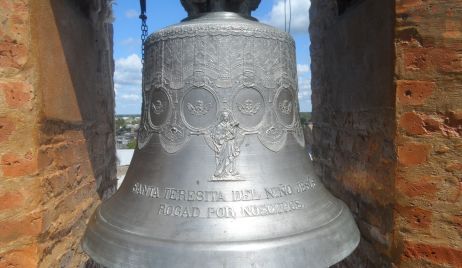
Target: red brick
x: 11, y: 200
x: 28, y: 226
x: 12, y: 54
x: 5, y: 5
x: 412, y: 154
x: 412, y: 123
x: 6, y: 128
x: 446, y: 60
x: 452, y: 29
x: 433, y: 124
x: 414, y: 92
x: 424, y: 188
x: 457, y: 221
x: 434, y: 254
x: 416, y: 217
x: 420, y: 59
x: 16, y: 93
x: 26, y: 257
x: 403, y: 6
x: 67, y: 154
x: 14, y: 165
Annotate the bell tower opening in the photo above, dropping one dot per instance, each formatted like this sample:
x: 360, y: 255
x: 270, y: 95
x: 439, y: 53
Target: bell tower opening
x: 386, y: 82
x: 220, y: 123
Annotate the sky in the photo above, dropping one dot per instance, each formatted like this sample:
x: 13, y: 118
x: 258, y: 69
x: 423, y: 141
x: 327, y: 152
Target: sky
x: 162, y: 13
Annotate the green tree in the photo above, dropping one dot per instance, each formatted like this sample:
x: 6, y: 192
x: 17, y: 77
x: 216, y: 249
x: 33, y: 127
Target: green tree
x: 132, y: 144
x: 120, y: 123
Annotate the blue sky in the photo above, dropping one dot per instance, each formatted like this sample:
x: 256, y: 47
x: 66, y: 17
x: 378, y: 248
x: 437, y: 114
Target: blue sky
x: 162, y: 13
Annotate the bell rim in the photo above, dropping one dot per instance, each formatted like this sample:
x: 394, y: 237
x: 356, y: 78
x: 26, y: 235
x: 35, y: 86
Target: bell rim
x: 344, y: 246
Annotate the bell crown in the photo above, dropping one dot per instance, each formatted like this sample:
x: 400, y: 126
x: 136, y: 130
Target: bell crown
x: 196, y: 7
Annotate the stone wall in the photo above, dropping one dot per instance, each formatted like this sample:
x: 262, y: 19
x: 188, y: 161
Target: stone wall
x: 387, y: 99
x: 57, y: 147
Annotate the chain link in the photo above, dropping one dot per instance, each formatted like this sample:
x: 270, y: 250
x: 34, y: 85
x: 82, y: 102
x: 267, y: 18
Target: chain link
x: 144, y: 34
x: 144, y: 27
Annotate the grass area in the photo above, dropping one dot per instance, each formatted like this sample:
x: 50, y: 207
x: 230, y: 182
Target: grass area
x: 305, y: 117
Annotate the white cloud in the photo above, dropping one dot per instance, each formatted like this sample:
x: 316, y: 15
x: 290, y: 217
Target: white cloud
x: 131, y: 13
x: 303, y: 69
x: 299, y: 19
x: 304, y: 87
x: 127, y: 80
x: 131, y: 97
x: 304, y: 90
x: 130, y: 41
x: 128, y: 71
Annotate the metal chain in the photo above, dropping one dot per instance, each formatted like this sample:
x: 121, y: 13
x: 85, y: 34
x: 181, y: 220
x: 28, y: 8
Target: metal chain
x: 144, y: 27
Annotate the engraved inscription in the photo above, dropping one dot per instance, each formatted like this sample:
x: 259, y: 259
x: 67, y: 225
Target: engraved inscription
x: 305, y: 185
x: 179, y: 211
x: 246, y: 195
x: 184, y: 195
x: 174, y: 195
x: 146, y: 190
x: 221, y: 212
x: 271, y: 209
x: 279, y: 191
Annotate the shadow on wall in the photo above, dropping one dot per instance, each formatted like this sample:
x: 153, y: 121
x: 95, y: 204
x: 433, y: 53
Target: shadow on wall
x: 354, y: 116
x: 78, y: 88
x: 77, y: 145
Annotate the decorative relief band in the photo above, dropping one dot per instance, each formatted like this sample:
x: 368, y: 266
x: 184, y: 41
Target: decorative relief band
x: 255, y: 30
x: 222, y: 83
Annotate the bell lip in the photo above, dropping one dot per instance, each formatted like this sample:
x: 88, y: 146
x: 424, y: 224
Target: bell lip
x: 346, y: 247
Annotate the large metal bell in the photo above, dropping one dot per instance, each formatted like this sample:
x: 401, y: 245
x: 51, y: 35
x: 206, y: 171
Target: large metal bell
x: 221, y: 177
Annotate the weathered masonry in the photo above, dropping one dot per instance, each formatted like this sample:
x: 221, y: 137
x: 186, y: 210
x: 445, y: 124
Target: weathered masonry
x: 387, y: 104
x: 57, y: 149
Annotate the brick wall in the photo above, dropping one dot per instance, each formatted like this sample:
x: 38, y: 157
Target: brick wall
x: 57, y: 153
x: 387, y: 108
x: 353, y: 113
x: 428, y: 71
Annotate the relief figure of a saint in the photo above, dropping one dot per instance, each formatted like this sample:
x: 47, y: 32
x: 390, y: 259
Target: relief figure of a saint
x: 227, y: 139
